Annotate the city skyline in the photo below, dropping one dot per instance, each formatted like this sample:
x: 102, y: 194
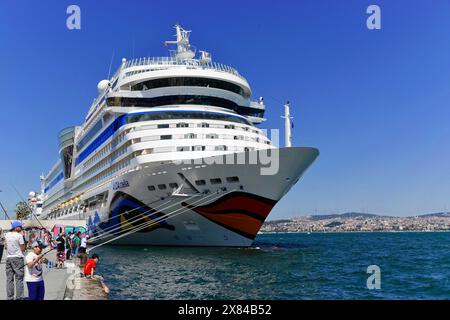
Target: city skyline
x: 375, y: 102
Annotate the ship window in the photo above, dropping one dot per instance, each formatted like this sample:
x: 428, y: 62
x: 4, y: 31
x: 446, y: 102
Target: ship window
x: 232, y: 179
x: 151, y: 188
x: 184, y: 99
x: 173, y: 185
x: 215, y: 181
x: 189, y: 81
x: 162, y: 126
x: 183, y: 148
x: 166, y: 137
x: 190, y: 136
x: 162, y: 187
x: 182, y: 125
x: 200, y: 182
x: 174, y: 115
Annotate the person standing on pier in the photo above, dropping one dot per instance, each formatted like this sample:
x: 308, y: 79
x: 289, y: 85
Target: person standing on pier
x: 60, y: 250
x: 15, y: 247
x: 83, y: 242
x: 69, y: 246
x: 2, y: 244
x: 76, y: 243
x: 82, y: 258
x: 33, y: 272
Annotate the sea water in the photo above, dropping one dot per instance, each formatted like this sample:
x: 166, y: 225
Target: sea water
x: 412, y: 265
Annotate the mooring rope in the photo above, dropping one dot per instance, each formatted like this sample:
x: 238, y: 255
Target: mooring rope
x: 141, y: 216
x: 145, y: 205
x: 160, y: 218
x: 148, y: 224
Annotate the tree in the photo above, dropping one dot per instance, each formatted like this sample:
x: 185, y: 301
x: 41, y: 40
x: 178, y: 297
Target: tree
x: 22, y: 210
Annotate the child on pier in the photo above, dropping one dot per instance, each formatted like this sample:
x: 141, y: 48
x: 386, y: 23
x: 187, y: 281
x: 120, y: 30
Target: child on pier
x: 33, y: 272
x: 90, y: 265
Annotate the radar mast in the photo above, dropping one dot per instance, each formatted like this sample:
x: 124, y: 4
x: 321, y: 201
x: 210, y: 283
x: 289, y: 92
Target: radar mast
x: 184, y: 50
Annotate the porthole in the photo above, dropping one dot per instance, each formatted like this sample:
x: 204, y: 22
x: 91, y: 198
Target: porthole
x: 215, y: 181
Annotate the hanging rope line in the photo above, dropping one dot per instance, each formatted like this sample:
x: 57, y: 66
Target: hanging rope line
x: 144, y: 205
x: 155, y: 208
x: 106, y: 235
x: 148, y: 224
x: 141, y: 216
x: 129, y: 211
x: 143, y: 226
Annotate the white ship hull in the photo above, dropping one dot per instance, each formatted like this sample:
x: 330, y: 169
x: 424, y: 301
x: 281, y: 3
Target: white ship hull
x: 151, y: 165
x: 230, y: 215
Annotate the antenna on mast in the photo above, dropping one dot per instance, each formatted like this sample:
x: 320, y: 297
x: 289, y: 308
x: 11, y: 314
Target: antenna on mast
x: 110, y: 64
x: 183, y: 51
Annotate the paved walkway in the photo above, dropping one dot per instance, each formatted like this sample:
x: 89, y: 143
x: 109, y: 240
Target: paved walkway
x: 55, y: 280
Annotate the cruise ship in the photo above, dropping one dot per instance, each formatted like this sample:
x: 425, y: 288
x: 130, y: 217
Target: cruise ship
x: 170, y: 154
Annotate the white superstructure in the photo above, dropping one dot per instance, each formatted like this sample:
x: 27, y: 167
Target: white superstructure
x: 147, y: 165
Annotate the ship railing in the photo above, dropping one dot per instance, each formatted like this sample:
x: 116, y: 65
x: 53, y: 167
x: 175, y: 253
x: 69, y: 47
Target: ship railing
x: 190, y: 63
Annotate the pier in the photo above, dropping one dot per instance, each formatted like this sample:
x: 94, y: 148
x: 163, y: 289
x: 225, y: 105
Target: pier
x: 60, y: 284
x: 81, y: 288
x: 54, y: 279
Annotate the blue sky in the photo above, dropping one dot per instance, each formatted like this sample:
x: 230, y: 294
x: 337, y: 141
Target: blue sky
x: 376, y: 103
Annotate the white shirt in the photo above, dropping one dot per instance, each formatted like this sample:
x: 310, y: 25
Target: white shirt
x: 33, y: 274
x: 13, y: 241
x: 83, y: 242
